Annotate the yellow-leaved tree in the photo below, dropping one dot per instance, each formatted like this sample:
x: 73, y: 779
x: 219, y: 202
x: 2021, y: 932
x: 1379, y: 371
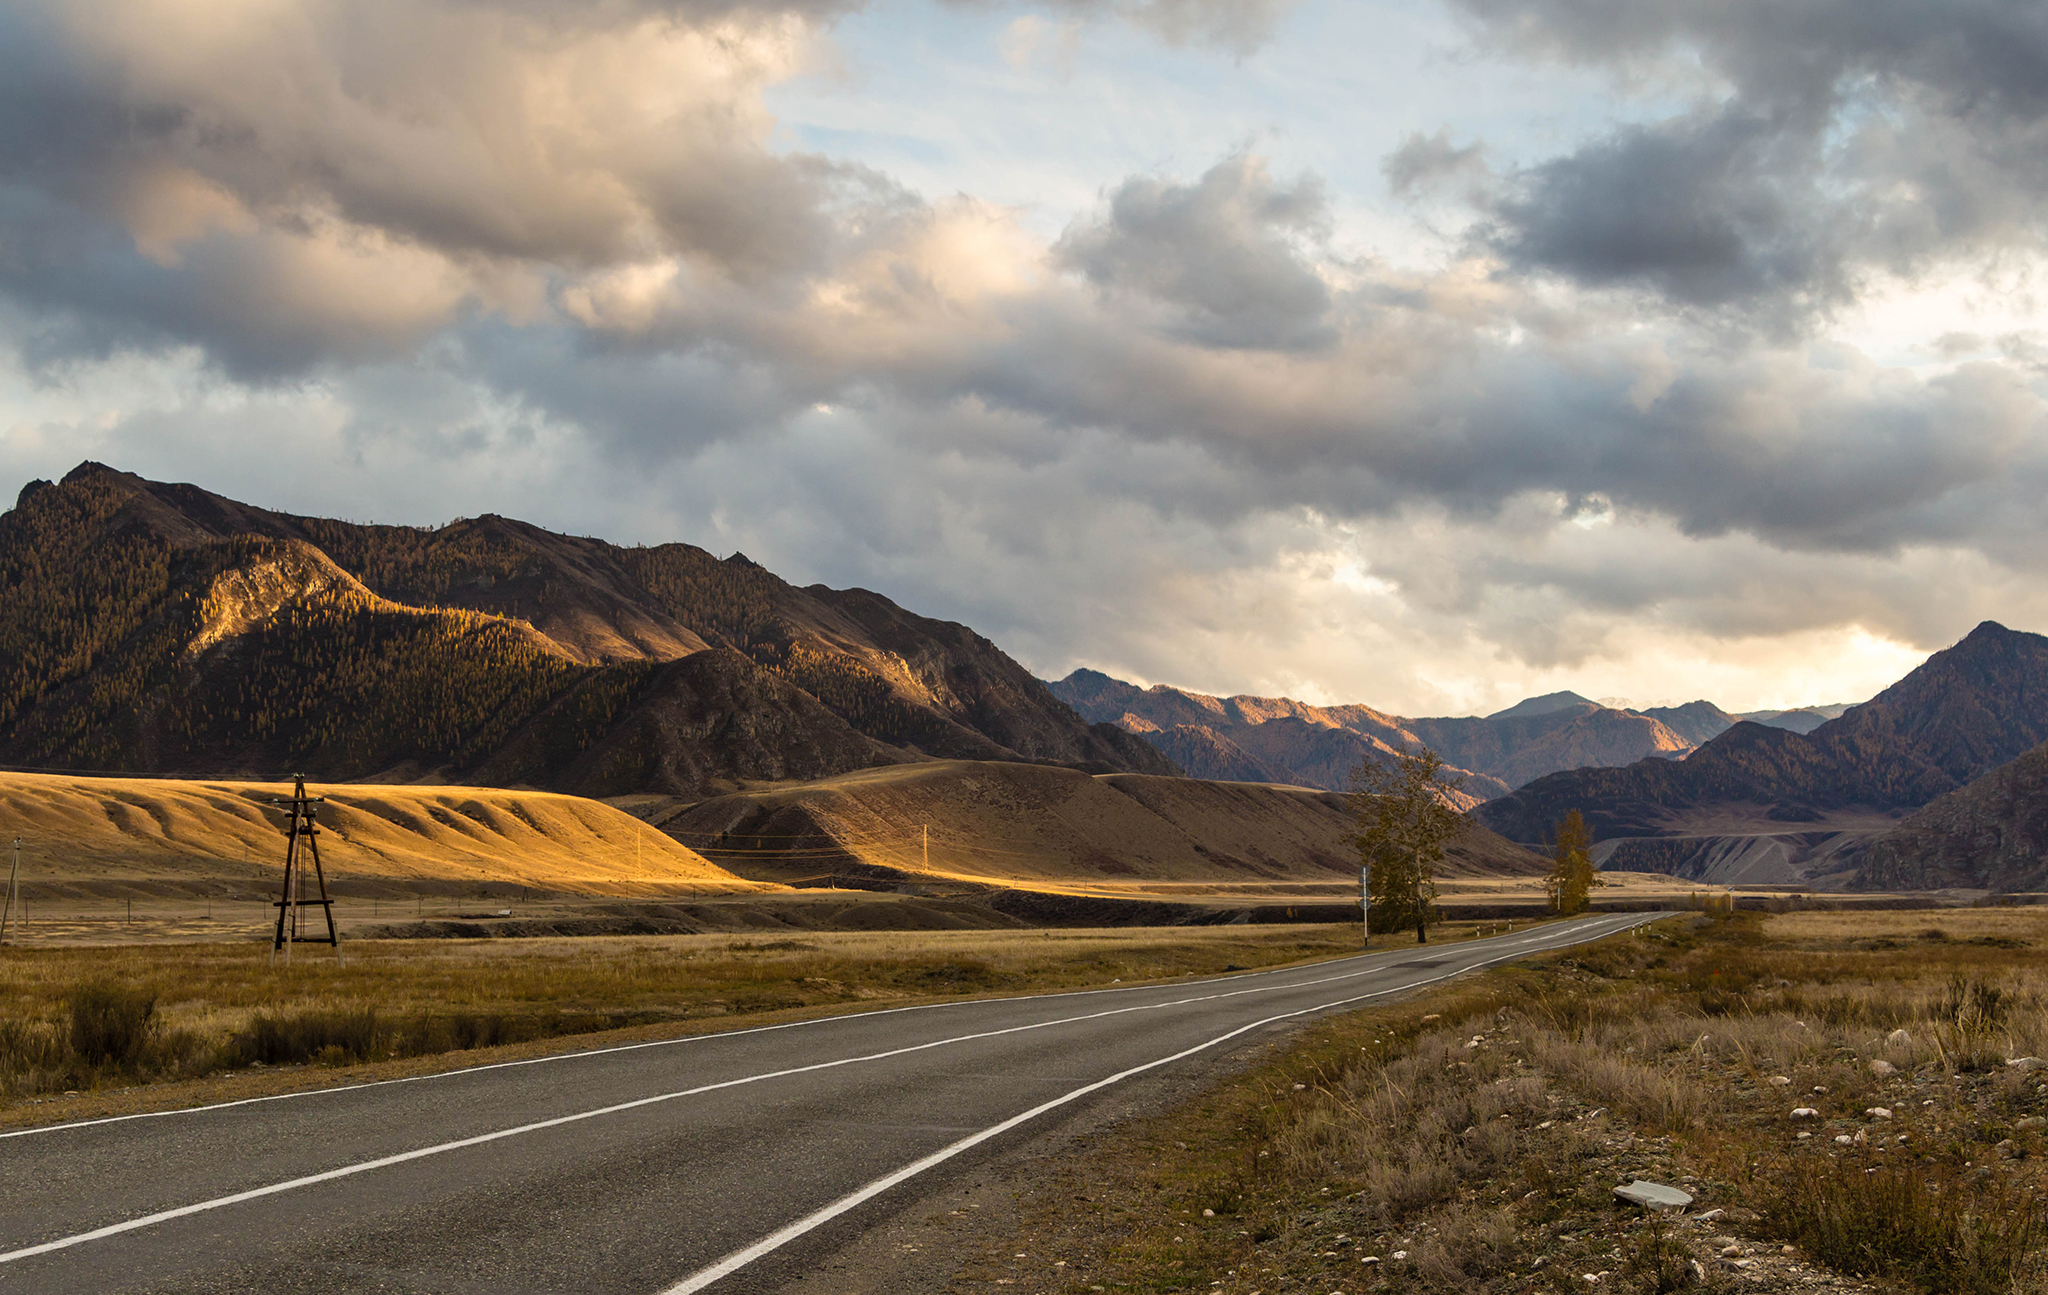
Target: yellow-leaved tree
x: 1572, y: 878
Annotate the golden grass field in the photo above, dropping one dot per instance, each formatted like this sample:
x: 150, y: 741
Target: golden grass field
x: 216, y: 1009
x: 111, y: 836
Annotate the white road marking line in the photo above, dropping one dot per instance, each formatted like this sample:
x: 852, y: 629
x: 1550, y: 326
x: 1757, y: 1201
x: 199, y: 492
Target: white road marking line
x: 345, y: 1171
x: 669, y: 1043
x: 775, y: 1240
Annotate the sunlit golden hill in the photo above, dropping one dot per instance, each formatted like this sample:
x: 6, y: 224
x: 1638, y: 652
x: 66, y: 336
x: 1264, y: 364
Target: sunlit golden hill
x: 113, y: 836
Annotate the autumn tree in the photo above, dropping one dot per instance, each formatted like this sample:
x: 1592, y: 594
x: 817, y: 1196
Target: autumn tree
x: 1572, y: 878
x: 1407, y: 818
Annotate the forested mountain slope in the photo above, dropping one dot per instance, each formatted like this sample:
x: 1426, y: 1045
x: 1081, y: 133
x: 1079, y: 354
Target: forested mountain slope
x: 161, y: 628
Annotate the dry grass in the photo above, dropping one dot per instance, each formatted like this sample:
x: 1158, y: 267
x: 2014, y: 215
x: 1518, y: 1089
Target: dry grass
x: 1480, y: 1134
x: 211, y: 1008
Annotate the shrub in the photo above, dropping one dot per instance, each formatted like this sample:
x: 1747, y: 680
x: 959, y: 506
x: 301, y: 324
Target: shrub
x: 111, y: 1024
x: 333, y: 1038
x: 1901, y: 1223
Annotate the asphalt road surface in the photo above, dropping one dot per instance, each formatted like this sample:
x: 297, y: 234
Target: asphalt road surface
x: 730, y: 1162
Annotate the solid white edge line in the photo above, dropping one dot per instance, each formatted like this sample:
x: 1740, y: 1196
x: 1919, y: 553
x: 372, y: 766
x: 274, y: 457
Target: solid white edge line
x: 775, y: 1240
x: 421, y: 1153
x: 582, y: 1054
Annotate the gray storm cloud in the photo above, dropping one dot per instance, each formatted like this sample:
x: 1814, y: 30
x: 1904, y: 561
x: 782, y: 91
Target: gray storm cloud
x: 1224, y: 255
x: 562, y: 236
x: 1841, y: 139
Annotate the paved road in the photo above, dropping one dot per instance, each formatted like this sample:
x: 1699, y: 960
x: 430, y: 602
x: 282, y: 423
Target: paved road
x: 724, y: 1162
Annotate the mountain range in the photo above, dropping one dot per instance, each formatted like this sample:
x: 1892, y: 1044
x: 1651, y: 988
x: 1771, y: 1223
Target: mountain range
x: 1768, y: 804
x: 1278, y: 739
x: 156, y: 628
x: 161, y: 629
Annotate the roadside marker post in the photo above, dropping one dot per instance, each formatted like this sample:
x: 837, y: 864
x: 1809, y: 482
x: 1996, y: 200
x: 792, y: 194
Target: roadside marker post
x: 1365, y: 905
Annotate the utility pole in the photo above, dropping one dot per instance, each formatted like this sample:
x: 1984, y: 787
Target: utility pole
x: 927, y: 827
x: 300, y: 810
x: 13, y: 888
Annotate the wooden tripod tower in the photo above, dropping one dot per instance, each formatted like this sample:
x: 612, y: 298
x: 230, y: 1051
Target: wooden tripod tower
x: 291, y: 905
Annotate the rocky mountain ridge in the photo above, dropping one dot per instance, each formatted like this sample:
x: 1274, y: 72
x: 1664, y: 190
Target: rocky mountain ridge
x: 1279, y: 739
x: 1817, y: 803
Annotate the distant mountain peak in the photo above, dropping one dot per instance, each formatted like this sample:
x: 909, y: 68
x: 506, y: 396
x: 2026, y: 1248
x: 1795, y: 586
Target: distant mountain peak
x: 1548, y: 703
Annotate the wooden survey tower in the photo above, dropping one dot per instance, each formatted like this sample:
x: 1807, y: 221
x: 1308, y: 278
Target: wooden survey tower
x: 292, y: 904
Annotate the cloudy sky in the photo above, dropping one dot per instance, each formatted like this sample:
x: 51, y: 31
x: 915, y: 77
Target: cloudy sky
x: 1422, y: 354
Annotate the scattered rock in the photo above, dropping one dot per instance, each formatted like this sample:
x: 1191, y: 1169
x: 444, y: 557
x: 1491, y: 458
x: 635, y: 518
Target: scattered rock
x: 1805, y: 1113
x: 2031, y: 1122
x: 2009, y: 1149
x: 1880, y: 1067
x: 1780, y: 1081
x: 1708, y: 1216
x: 1653, y: 1196
x: 1879, y: 1112
x: 1898, y: 1039
x: 2027, y: 1063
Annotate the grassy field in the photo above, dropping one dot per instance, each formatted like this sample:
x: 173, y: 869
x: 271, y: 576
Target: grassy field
x: 1835, y: 1090
x: 80, y: 1025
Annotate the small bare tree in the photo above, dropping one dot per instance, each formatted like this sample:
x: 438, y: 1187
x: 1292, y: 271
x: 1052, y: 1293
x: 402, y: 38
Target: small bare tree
x: 1406, y: 822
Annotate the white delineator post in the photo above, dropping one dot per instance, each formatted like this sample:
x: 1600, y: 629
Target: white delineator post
x: 1365, y: 905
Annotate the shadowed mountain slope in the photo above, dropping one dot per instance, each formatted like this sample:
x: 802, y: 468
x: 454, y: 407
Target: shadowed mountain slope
x: 1990, y: 835
x: 1967, y: 710
x: 161, y: 628
x: 1318, y: 746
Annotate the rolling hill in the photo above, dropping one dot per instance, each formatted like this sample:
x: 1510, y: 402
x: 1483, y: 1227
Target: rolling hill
x: 1043, y: 827
x: 162, y: 629
x: 102, y: 836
